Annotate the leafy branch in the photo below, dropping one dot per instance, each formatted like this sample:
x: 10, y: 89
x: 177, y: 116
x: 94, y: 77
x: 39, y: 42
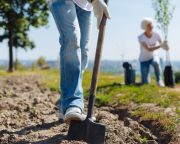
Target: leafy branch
x: 164, y: 10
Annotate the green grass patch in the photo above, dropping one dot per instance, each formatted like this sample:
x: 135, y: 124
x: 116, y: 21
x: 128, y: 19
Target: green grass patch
x: 3, y: 73
x: 139, y: 94
x: 168, y: 123
x: 143, y: 140
x: 51, y: 78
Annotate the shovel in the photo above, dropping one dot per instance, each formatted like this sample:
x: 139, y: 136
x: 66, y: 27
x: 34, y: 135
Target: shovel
x: 88, y: 130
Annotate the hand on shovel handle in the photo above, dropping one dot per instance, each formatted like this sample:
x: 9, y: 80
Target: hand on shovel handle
x: 100, y: 9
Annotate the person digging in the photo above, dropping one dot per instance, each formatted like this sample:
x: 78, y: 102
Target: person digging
x: 74, y: 20
x: 150, y: 41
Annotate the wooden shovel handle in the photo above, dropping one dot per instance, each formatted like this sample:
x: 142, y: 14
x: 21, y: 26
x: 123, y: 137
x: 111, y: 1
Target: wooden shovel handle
x: 96, y: 67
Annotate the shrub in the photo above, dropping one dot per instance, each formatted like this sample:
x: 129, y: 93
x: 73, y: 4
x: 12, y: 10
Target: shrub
x: 177, y: 77
x: 41, y: 63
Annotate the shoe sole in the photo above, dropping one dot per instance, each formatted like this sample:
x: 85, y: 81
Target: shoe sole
x: 71, y: 116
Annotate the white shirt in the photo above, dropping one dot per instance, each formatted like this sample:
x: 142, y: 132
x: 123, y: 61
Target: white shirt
x: 84, y: 4
x: 146, y: 55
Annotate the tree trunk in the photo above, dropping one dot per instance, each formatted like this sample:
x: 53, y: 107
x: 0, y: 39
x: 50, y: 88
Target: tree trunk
x: 16, y: 59
x: 10, y: 43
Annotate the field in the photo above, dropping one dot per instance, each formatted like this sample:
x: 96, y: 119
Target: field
x: 132, y: 114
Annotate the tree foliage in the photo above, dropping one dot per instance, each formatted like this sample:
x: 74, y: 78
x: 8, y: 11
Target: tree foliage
x: 164, y: 10
x: 16, y: 19
x: 41, y: 61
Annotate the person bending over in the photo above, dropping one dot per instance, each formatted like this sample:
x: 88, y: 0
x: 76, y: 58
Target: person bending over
x: 150, y: 41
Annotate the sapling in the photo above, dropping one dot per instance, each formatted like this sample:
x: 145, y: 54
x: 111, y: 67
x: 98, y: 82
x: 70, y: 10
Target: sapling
x: 164, y: 10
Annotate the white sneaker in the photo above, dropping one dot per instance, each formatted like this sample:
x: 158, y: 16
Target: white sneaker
x: 84, y: 117
x: 160, y: 83
x: 73, y: 113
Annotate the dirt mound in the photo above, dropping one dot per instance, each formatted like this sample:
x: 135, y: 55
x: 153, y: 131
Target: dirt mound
x: 28, y: 114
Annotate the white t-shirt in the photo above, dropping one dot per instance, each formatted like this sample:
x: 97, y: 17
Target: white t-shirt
x: 146, y: 55
x: 84, y: 4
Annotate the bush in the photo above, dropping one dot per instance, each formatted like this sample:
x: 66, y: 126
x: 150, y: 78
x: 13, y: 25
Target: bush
x: 41, y: 61
x: 177, y: 77
x: 42, y: 64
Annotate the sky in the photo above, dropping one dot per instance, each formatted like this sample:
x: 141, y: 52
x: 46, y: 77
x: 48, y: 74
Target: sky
x: 121, y: 34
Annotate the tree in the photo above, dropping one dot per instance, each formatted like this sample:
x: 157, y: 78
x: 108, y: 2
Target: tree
x: 164, y: 10
x: 16, y: 19
x: 41, y: 61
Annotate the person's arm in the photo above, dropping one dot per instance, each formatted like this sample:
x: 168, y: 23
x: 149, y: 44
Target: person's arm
x: 148, y: 48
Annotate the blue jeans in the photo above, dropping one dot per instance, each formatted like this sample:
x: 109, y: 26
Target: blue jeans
x: 145, y: 67
x: 74, y: 25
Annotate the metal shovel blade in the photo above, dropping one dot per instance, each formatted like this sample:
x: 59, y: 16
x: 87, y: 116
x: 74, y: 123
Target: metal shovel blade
x: 89, y: 131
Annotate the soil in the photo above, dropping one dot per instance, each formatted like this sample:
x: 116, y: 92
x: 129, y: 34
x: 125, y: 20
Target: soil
x: 29, y: 115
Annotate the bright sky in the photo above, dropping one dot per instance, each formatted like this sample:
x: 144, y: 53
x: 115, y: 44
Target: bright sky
x: 121, y: 35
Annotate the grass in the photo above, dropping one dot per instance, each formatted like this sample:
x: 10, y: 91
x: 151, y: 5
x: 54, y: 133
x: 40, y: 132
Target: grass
x: 3, y: 73
x: 110, y: 91
x: 168, y: 122
x: 142, y: 94
x: 50, y: 78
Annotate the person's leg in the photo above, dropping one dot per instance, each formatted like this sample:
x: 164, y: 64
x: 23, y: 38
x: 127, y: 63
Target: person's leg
x: 64, y: 12
x: 85, y: 23
x: 157, y: 71
x: 144, y: 72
